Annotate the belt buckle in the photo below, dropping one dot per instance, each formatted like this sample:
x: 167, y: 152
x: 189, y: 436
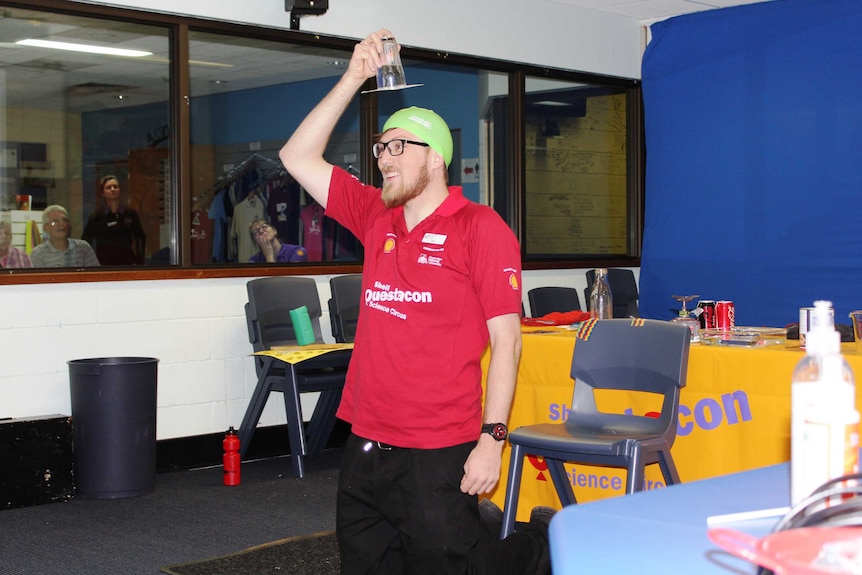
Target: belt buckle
x: 383, y: 446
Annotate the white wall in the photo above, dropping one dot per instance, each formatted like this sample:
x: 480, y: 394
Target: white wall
x: 544, y: 32
x: 196, y: 327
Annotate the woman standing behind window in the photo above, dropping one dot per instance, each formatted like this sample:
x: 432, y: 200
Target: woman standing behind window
x: 115, y: 230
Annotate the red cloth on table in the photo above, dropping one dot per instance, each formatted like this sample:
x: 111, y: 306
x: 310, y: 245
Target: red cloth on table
x: 557, y: 318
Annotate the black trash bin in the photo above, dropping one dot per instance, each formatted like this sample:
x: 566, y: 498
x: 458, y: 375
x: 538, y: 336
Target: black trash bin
x: 114, y: 425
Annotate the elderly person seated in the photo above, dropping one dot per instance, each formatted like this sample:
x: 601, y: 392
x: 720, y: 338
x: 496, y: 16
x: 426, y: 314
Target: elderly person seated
x: 10, y: 256
x: 271, y: 248
x: 60, y: 250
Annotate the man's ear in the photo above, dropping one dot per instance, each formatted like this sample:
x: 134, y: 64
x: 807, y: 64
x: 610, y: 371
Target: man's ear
x: 437, y: 160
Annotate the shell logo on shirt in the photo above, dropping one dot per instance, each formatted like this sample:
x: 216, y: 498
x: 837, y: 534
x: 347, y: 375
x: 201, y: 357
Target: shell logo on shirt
x: 389, y: 244
x: 513, y: 278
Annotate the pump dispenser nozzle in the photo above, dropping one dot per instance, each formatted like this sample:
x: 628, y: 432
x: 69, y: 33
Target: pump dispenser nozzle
x: 822, y: 337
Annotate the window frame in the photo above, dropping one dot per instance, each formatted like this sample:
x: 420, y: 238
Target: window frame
x: 179, y: 27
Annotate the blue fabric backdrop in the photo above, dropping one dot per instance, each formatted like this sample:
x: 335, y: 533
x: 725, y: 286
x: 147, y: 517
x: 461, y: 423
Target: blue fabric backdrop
x: 754, y: 159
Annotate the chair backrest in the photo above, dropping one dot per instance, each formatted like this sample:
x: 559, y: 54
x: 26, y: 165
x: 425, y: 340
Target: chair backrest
x: 544, y: 300
x: 268, y: 309
x: 640, y: 355
x: 624, y: 290
x: 344, y: 306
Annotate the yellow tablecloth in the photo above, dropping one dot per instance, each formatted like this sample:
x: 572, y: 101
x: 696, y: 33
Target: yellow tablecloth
x: 734, y: 414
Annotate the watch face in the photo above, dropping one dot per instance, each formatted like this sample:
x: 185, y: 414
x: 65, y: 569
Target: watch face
x: 498, y: 431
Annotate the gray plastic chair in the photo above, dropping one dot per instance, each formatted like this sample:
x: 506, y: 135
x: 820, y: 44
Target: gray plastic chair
x: 636, y: 355
x: 344, y: 306
x: 268, y: 317
x: 544, y: 300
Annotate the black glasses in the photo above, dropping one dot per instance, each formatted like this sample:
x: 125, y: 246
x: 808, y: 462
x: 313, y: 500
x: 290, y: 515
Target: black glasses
x: 395, y: 147
x: 260, y: 229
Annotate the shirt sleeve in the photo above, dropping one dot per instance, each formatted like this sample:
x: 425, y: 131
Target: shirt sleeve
x: 351, y: 203
x: 495, y: 264
x: 90, y: 229
x: 36, y: 258
x: 299, y: 255
x: 90, y: 259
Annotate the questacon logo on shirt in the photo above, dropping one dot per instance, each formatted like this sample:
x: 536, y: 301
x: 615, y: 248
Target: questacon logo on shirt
x: 383, y: 294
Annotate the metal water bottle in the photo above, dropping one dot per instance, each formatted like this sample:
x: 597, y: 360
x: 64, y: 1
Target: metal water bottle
x: 231, y: 458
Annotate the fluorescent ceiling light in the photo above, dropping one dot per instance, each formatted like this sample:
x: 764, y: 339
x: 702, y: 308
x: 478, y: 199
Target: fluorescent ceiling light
x: 553, y: 103
x: 84, y: 48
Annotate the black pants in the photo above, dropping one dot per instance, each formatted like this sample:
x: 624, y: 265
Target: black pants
x: 401, y: 511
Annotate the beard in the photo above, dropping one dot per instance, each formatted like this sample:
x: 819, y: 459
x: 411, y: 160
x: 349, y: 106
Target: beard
x: 397, y: 195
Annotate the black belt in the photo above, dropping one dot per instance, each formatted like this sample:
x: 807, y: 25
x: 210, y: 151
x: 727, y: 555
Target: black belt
x: 383, y: 446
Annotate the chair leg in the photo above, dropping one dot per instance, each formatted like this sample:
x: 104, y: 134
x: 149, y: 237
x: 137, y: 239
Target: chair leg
x: 668, y: 468
x: 635, y: 472
x: 561, y: 482
x: 296, y: 432
x: 322, y: 420
x: 255, y: 408
x: 513, y: 487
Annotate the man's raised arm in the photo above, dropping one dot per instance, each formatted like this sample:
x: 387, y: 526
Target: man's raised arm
x: 302, y: 155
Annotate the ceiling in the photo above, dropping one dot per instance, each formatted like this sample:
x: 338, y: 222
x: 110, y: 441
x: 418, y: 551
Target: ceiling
x: 43, y: 78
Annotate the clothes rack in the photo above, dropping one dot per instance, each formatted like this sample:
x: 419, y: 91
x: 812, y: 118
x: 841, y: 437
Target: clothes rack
x: 275, y: 169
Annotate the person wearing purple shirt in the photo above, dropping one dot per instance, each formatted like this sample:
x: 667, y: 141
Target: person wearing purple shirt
x: 272, y: 250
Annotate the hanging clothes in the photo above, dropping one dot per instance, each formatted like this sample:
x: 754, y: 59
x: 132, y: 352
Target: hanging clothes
x: 218, y: 215
x: 311, y: 217
x: 283, y: 208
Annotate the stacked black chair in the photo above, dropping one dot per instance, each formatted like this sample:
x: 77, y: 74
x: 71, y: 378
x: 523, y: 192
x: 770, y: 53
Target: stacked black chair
x: 269, y: 325
x: 344, y: 306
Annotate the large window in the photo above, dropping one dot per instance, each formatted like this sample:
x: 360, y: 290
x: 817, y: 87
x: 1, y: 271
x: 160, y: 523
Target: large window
x: 164, y: 154
x: 576, y: 194
x: 247, y: 97
x: 85, y: 131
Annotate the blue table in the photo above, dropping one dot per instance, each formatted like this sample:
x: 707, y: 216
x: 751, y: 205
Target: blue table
x: 664, y: 531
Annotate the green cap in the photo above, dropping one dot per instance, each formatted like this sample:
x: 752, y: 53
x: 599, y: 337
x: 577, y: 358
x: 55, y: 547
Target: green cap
x: 427, y: 126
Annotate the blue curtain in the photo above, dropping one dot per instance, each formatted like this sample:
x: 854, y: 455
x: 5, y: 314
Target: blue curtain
x: 754, y: 160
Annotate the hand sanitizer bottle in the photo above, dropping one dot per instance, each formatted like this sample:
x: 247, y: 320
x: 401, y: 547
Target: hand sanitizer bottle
x: 824, y: 428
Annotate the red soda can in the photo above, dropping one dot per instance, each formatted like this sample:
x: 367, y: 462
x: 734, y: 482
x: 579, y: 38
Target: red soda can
x: 725, y: 315
x: 707, y: 315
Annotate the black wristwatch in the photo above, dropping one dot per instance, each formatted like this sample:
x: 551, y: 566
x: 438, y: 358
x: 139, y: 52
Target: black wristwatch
x: 498, y: 431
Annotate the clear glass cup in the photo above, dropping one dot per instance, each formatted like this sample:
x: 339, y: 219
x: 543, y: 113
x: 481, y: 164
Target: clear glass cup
x: 391, y: 74
x: 685, y: 317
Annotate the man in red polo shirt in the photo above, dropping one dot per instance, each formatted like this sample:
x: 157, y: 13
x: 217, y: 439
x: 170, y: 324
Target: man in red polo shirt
x: 441, y: 279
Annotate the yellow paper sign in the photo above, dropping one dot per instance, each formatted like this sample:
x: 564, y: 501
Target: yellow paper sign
x: 298, y: 353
